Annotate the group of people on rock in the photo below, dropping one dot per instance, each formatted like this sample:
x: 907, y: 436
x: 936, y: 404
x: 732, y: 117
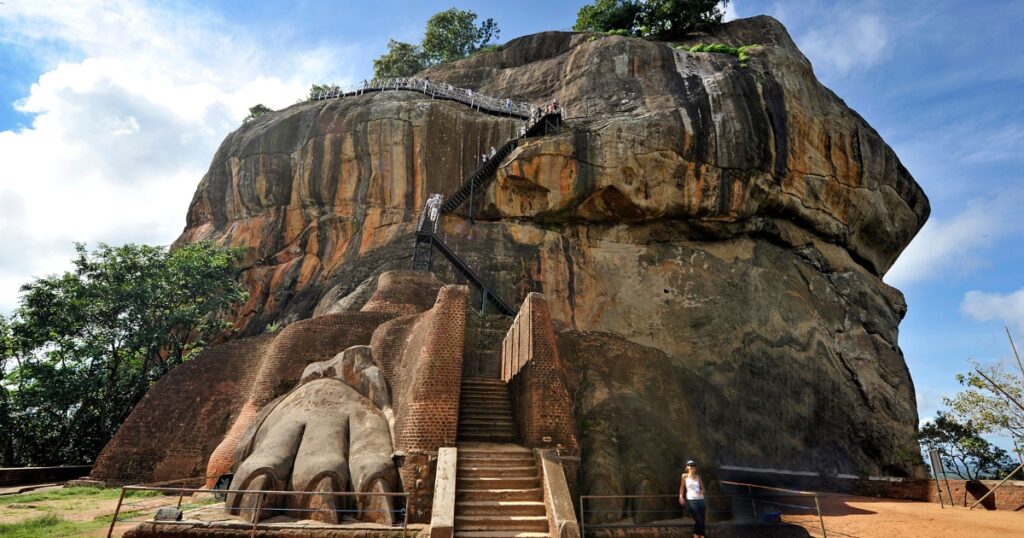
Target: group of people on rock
x: 538, y: 113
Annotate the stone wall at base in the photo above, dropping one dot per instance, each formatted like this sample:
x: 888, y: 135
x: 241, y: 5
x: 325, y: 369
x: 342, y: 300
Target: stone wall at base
x: 174, y: 429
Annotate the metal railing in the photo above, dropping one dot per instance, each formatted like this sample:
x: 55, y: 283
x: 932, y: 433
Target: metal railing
x: 176, y: 495
x: 638, y: 516
x: 779, y: 493
x: 437, y: 90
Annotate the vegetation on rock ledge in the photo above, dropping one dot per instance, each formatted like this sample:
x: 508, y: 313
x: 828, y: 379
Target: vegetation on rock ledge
x: 655, y: 19
x: 450, y: 35
x: 743, y: 53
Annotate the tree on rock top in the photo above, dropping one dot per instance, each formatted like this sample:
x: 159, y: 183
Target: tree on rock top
x: 451, y: 35
x: 657, y: 19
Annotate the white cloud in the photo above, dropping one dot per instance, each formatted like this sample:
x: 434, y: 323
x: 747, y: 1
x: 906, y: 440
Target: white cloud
x: 125, y: 122
x: 730, y: 12
x: 955, y: 246
x: 845, y: 42
x: 1005, y: 307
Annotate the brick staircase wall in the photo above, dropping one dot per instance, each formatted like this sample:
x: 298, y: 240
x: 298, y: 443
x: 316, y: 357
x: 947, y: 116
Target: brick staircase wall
x: 421, y: 357
x: 540, y: 399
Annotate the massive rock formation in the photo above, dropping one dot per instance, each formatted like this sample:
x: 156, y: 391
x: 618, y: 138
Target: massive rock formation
x: 710, y: 238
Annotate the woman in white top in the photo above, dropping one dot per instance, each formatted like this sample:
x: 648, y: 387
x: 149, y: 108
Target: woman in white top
x: 691, y: 494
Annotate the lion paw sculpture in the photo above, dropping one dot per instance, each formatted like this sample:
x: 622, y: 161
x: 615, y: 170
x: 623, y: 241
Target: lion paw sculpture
x: 331, y: 433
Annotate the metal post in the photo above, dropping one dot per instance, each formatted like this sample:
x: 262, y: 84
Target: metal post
x: 583, y: 520
x: 113, y: 521
x: 753, y: 506
x: 821, y: 520
x: 256, y: 514
x: 181, y: 495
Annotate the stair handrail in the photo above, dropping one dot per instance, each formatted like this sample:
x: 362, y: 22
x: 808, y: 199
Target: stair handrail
x: 463, y: 267
x: 433, y: 89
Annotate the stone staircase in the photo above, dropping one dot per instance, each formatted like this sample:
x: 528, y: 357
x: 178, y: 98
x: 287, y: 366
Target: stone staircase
x: 498, y: 492
x: 484, y: 336
x: 485, y: 411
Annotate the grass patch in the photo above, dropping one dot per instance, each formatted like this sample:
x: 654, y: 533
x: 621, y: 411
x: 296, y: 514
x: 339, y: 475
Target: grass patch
x: 49, y: 526
x: 73, y: 494
x: 743, y: 53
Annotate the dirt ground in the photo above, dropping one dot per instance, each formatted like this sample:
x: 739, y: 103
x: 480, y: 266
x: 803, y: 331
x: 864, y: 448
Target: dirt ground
x: 848, y: 516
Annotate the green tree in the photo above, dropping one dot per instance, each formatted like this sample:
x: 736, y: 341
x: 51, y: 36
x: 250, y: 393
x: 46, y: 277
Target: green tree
x: 608, y: 16
x: 657, y: 19
x: 401, y: 60
x: 964, y: 451
x: 256, y: 111
x: 993, y: 398
x: 453, y: 34
x: 450, y: 35
x: 84, y: 346
x: 317, y: 89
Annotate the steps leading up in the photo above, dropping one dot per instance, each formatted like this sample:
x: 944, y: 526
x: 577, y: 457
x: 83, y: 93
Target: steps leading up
x: 485, y: 411
x: 498, y: 492
x: 484, y: 336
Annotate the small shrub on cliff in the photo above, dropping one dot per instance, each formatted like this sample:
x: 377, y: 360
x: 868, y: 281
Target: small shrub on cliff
x: 84, y: 346
x: 743, y: 53
x: 401, y: 60
x: 655, y: 19
x: 257, y: 111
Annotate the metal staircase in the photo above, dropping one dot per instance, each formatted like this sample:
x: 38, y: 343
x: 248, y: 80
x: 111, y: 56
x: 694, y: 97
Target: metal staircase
x: 484, y: 175
x: 427, y: 239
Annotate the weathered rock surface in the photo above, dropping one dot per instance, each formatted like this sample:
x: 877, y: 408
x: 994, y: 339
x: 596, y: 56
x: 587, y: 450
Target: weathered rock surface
x: 711, y: 238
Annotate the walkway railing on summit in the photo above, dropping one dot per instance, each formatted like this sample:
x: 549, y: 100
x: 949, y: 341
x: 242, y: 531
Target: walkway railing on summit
x: 437, y: 90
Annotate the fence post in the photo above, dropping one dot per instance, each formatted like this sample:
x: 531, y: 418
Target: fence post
x: 821, y: 520
x: 256, y: 514
x: 750, y: 493
x: 583, y: 520
x: 113, y: 521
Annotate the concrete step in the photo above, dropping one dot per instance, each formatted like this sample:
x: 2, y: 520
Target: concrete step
x: 498, y: 462
x: 487, y: 437
x: 495, y: 421
x: 485, y: 397
x: 481, y: 381
x: 500, y: 534
x: 518, y: 508
x: 493, y: 495
x: 493, y: 449
x: 502, y: 523
x: 488, y: 471
x: 498, y: 482
x: 466, y: 412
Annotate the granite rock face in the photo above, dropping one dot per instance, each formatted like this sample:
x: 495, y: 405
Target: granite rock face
x: 710, y: 238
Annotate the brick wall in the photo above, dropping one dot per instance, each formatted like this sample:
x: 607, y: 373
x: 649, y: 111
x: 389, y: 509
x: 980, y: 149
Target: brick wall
x: 421, y: 357
x: 531, y: 366
x: 176, y: 426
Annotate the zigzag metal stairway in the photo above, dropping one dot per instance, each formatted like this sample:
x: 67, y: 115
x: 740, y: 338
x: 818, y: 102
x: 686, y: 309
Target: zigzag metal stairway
x: 426, y: 230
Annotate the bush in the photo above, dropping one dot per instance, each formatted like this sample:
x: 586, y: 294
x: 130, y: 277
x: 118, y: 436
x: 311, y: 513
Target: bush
x: 743, y: 53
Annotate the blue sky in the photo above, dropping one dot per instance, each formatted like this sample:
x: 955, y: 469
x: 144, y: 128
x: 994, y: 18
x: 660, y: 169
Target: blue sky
x: 111, y: 110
